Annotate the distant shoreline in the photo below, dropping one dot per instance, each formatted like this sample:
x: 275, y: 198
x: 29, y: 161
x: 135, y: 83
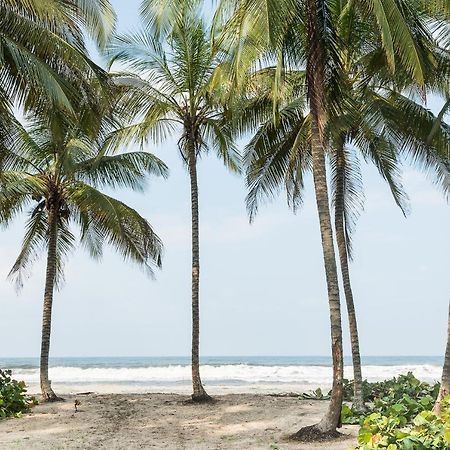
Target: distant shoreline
x: 220, y: 374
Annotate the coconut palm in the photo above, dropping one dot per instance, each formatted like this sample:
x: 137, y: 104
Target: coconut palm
x: 358, y: 53
x: 390, y: 129
x: 304, y: 33
x: 181, y: 95
x: 57, y: 168
x: 42, y: 51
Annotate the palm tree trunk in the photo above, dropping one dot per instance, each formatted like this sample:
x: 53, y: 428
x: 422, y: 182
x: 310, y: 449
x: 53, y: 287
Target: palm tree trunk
x: 46, y: 390
x: 331, y: 420
x: 199, y: 394
x: 316, y: 92
x: 445, y: 381
x: 358, y: 399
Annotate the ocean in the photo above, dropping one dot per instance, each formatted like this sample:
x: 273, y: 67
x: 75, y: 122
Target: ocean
x: 263, y: 374
x: 221, y: 374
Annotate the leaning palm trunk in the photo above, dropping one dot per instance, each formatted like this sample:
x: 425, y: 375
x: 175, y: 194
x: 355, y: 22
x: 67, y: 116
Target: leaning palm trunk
x: 47, y: 392
x: 199, y: 393
x: 445, y: 382
x: 331, y: 419
x: 358, y: 399
x: 316, y: 93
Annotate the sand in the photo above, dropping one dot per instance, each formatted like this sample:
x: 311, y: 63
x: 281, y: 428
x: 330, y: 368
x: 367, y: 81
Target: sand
x: 167, y: 421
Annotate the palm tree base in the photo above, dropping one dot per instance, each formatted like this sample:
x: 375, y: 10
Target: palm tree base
x: 202, y: 398
x: 313, y: 433
x: 48, y: 397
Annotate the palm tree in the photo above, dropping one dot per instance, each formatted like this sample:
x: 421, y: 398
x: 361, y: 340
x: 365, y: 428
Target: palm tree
x: 300, y: 33
x: 357, y: 54
x: 296, y: 33
x: 389, y: 129
x: 445, y: 380
x: 43, y: 54
x: 56, y: 167
x: 316, y: 92
x: 182, y: 93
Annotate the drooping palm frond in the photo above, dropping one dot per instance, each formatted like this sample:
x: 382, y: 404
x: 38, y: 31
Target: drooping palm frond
x: 42, y: 51
x: 105, y: 218
x: 347, y: 182
x: 129, y: 170
x: 409, y: 126
x: 33, y: 244
x: 383, y: 154
x: 277, y: 158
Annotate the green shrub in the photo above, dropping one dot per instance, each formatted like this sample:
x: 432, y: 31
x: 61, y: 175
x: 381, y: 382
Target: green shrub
x: 403, y: 397
x: 427, y: 432
x: 395, y: 387
x: 394, y: 431
x: 13, y: 398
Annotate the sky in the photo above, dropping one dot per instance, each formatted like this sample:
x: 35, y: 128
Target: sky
x: 263, y: 287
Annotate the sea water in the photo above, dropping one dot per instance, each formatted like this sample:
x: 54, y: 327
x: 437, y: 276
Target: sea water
x: 219, y: 373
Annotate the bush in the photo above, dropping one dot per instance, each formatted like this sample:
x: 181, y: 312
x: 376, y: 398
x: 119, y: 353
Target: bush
x: 401, y: 417
x: 13, y: 398
x: 426, y: 432
x: 403, y: 397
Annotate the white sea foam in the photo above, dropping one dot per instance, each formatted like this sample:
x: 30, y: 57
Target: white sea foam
x: 228, y: 374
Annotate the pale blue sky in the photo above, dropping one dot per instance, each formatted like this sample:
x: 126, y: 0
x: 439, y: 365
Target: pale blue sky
x: 262, y: 285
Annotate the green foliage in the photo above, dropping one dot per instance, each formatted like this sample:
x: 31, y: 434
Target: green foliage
x: 401, y: 416
x: 59, y: 166
x: 43, y: 55
x: 403, y: 397
x: 425, y: 432
x: 315, y: 395
x: 185, y: 90
x: 13, y: 398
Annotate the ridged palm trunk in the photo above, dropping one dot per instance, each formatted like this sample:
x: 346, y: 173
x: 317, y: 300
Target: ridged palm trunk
x: 316, y: 93
x: 47, y: 392
x: 358, y: 399
x: 199, y: 394
x: 445, y: 381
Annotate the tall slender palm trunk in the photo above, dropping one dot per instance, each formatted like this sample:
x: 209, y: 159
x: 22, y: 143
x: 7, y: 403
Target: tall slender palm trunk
x: 358, y: 399
x: 199, y: 394
x: 331, y: 419
x: 445, y: 381
x: 316, y: 93
x: 47, y: 392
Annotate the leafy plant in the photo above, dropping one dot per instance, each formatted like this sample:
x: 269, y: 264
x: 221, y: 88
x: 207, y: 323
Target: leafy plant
x: 397, y: 386
x: 13, y: 398
x: 315, y: 395
x: 402, y: 418
x: 403, y: 397
x: 426, y: 432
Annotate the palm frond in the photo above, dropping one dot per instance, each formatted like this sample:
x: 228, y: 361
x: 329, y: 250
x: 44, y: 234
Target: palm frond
x: 128, y: 170
x: 33, y: 244
x: 121, y: 226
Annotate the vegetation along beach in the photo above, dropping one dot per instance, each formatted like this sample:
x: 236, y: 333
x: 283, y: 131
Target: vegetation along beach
x: 225, y: 224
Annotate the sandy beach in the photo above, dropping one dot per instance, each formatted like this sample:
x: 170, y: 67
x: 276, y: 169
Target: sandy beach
x: 168, y: 421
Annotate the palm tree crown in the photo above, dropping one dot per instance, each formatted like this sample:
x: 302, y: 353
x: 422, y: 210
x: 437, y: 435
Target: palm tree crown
x: 55, y: 167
